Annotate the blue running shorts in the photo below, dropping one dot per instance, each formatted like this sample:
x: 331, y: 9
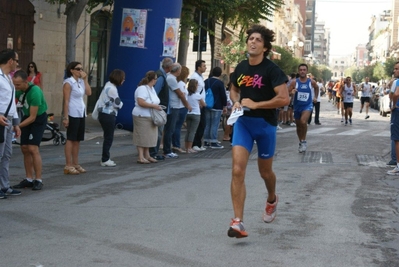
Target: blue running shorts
x: 298, y: 110
x: 395, y: 125
x: 249, y: 129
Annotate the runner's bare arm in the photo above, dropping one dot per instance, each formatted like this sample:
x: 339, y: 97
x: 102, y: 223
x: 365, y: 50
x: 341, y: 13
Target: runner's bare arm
x: 292, y: 89
x: 235, y: 96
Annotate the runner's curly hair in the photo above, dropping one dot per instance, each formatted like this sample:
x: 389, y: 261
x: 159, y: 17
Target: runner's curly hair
x: 267, y: 36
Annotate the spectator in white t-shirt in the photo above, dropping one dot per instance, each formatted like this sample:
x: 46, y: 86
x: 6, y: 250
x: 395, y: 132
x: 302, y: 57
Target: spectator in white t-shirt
x: 176, y: 99
x: 181, y: 82
x: 193, y: 117
x: 316, y: 105
x: 145, y: 132
x: 200, y: 68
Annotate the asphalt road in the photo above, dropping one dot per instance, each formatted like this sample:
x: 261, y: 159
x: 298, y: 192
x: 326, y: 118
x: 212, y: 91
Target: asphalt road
x: 337, y: 205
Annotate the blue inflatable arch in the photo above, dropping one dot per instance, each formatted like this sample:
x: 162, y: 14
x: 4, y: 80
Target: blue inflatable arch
x: 143, y: 33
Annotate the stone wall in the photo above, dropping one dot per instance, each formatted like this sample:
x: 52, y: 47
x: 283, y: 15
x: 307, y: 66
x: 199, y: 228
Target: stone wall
x: 50, y: 49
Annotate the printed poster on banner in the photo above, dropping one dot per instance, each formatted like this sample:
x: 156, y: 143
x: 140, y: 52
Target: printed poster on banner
x: 134, y: 22
x: 170, y: 37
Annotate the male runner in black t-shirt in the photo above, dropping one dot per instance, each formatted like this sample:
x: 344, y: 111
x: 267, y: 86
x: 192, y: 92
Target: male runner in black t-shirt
x: 260, y: 87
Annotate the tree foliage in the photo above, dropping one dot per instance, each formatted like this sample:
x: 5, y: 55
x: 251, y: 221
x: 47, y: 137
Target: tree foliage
x: 89, y: 5
x: 234, y: 52
x: 368, y: 72
x: 379, y: 72
x: 314, y: 70
x: 325, y: 73
x: 389, y: 65
x: 356, y: 75
x: 376, y: 72
x: 287, y: 62
x: 240, y: 13
x: 237, y: 13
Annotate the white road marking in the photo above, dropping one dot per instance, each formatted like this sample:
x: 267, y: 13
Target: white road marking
x: 352, y: 132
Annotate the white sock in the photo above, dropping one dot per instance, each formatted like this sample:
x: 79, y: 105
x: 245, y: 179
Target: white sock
x: 39, y: 180
x: 29, y: 179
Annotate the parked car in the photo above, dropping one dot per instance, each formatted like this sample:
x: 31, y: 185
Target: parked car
x: 377, y: 93
x: 375, y: 98
x: 384, y: 105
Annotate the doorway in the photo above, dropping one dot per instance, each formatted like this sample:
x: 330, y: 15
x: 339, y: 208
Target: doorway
x: 100, y: 28
x: 16, y: 31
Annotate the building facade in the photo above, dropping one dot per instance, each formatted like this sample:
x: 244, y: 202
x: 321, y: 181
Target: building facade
x: 39, y: 36
x: 338, y: 66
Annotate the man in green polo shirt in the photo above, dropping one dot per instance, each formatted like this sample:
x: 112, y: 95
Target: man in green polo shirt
x: 32, y: 126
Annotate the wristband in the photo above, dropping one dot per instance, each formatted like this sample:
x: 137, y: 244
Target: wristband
x: 15, y: 121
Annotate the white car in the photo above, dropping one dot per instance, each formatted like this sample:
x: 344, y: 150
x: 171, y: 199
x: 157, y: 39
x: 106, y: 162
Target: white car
x: 384, y: 105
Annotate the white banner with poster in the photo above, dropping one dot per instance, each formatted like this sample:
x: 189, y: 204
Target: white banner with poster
x: 134, y: 22
x: 170, y: 35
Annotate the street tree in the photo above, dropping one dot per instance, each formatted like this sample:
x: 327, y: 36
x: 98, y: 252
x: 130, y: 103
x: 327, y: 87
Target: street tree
x: 325, y: 73
x: 368, y: 72
x: 237, y: 13
x: 356, y: 74
x: 73, y: 11
x: 389, y: 65
x: 379, y: 72
x: 287, y: 63
x: 314, y: 70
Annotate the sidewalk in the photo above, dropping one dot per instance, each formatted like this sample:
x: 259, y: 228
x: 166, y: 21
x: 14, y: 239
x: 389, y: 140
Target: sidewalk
x: 93, y: 128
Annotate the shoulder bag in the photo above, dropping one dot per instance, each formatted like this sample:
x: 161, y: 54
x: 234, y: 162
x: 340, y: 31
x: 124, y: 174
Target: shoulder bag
x: 2, y: 127
x: 97, y: 107
x: 159, y: 117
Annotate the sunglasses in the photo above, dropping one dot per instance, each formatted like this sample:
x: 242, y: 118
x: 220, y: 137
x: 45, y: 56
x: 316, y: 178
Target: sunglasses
x: 16, y: 60
x: 78, y: 69
x: 31, y: 67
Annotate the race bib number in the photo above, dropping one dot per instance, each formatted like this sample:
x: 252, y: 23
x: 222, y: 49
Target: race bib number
x: 303, y: 96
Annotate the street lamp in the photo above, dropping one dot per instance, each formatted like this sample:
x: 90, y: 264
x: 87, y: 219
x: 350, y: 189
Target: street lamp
x: 293, y: 44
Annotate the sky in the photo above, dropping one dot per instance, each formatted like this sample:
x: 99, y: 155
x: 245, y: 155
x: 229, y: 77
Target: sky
x: 348, y: 21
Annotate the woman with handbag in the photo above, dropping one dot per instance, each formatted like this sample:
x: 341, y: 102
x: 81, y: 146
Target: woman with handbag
x: 145, y: 132
x: 108, y: 106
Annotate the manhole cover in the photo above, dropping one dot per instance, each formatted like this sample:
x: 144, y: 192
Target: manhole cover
x: 317, y: 157
x: 370, y: 160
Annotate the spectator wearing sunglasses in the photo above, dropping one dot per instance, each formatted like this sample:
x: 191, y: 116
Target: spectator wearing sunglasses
x: 75, y: 87
x: 35, y: 76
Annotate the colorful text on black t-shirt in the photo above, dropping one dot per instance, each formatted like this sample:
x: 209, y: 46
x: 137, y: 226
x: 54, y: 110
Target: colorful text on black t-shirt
x: 249, y: 81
